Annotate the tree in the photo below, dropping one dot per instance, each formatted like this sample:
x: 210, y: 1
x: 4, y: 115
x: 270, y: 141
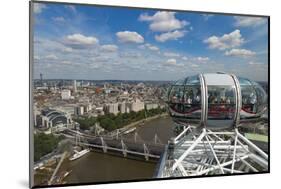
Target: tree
x: 86, y: 123
x: 44, y: 144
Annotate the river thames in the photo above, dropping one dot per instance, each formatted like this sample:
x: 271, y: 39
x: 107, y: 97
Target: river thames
x: 100, y: 167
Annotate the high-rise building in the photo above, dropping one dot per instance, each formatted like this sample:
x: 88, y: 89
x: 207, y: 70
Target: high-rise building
x: 112, y: 108
x: 74, y: 86
x: 79, y: 110
x: 35, y: 114
x: 41, y: 79
x: 87, y: 107
x: 122, y: 107
x: 128, y: 107
x: 137, y: 105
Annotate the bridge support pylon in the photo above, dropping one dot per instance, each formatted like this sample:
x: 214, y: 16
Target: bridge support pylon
x: 104, y: 145
x: 146, y: 152
x: 124, y: 148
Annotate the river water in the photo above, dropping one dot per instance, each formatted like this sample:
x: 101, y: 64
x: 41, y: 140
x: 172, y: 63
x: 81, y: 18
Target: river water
x: 100, y: 167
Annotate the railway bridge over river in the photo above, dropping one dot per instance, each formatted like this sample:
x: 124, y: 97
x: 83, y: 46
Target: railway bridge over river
x: 126, y: 144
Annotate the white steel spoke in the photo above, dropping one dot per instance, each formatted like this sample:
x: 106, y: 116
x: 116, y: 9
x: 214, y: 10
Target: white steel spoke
x: 189, y: 149
x: 234, y: 151
x: 215, y: 156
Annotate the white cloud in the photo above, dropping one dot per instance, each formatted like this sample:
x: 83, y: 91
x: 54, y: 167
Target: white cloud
x: 184, y: 58
x: 254, y: 63
x: 207, y: 16
x: 101, y: 59
x: 67, y: 49
x: 194, y: 65
x: 180, y: 65
x: 80, y: 41
x: 141, y: 47
x: 240, y: 53
x: 66, y: 62
x: 171, y: 61
x: 226, y: 41
x: 151, y: 47
x: 51, y: 57
x: 163, y: 21
x: 58, y: 19
x: 246, y: 21
x: 202, y: 59
x: 130, y: 55
x: 36, y: 57
x: 171, y: 54
x: 38, y: 7
x: 109, y: 48
x: 95, y: 66
x: 71, y: 7
x: 129, y: 37
x: 174, y: 35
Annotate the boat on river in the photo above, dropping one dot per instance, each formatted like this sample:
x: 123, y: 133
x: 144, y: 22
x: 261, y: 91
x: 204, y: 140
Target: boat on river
x: 78, y: 154
x: 130, y: 130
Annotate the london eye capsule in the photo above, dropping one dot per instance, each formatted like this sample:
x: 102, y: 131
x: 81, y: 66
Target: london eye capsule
x: 216, y: 101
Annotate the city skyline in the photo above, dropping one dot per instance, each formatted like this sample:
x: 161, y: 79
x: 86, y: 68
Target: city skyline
x: 109, y: 43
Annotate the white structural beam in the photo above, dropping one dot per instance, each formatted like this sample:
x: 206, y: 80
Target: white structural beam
x: 217, y: 166
x: 234, y: 151
x: 189, y: 149
x: 252, y: 145
x: 182, y: 133
x: 215, y: 156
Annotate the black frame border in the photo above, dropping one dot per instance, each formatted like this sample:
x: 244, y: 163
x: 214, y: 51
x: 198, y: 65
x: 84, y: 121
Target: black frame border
x: 31, y: 142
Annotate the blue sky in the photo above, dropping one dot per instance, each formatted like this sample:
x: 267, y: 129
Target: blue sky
x: 89, y: 42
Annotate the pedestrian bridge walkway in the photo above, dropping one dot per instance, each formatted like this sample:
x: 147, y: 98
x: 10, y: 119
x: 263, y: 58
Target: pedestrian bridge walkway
x: 132, y: 144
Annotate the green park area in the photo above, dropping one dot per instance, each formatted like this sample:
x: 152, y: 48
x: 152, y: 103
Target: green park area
x: 111, y: 122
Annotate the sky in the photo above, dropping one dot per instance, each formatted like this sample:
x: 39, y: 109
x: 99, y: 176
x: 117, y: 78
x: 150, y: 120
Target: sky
x: 98, y: 43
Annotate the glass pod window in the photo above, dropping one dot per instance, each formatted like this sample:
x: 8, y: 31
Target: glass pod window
x: 176, y: 96
x: 249, y: 98
x: 261, y: 97
x: 192, y: 97
x: 185, y: 97
x: 221, y: 102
